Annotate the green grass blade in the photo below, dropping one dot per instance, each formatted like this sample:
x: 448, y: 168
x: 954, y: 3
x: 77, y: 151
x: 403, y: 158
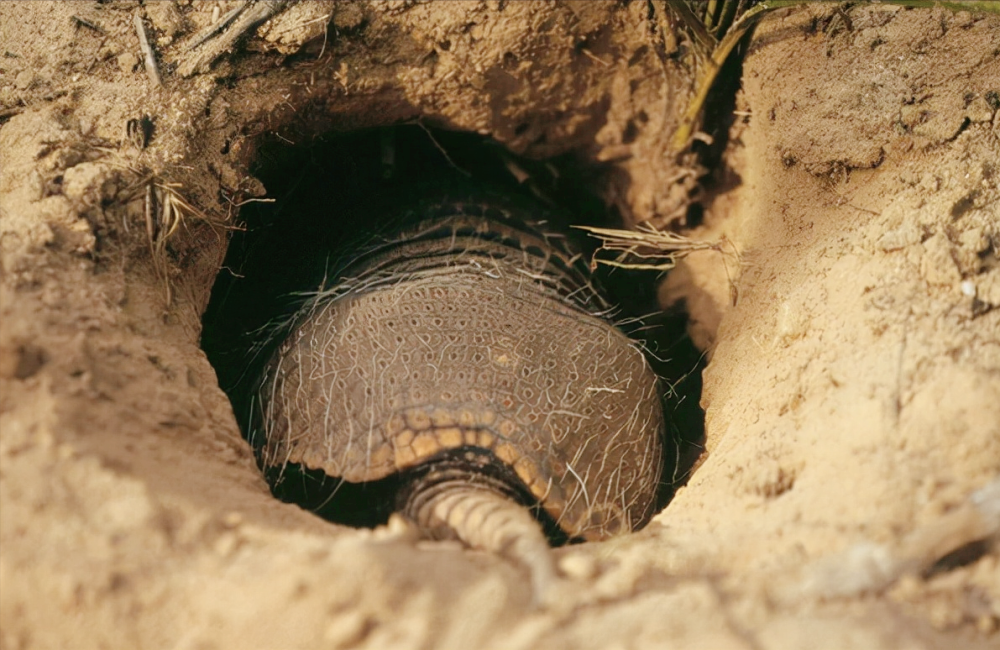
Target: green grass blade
x: 704, y: 42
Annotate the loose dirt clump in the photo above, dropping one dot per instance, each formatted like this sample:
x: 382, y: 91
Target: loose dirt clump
x: 848, y: 496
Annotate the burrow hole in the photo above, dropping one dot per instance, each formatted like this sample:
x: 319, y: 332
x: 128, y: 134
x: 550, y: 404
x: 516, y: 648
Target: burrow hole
x: 332, y: 191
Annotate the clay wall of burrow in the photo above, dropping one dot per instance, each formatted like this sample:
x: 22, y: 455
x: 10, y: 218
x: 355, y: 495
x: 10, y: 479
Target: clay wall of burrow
x: 852, y: 395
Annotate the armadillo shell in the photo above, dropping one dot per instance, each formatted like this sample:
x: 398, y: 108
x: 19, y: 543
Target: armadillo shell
x: 468, y: 331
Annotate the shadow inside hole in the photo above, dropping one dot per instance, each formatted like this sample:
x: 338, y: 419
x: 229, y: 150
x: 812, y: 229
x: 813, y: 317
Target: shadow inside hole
x: 332, y: 192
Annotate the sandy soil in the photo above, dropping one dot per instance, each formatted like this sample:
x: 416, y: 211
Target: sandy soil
x: 849, y: 494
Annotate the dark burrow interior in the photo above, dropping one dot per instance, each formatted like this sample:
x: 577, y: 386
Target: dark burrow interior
x: 331, y: 192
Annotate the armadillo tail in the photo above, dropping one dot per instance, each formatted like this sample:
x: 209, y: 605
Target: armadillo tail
x: 487, y: 520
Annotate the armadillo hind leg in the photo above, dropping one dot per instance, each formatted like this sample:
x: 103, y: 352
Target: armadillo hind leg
x: 485, y: 519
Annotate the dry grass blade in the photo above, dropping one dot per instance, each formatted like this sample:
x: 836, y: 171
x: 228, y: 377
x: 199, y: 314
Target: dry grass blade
x: 702, y: 39
x: 711, y: 66
x: 657, y: 250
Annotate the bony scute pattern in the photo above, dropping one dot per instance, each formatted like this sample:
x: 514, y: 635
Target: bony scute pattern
x: 467, y: 332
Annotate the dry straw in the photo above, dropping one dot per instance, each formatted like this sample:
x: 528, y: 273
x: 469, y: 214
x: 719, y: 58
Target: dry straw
x: 647, y: 248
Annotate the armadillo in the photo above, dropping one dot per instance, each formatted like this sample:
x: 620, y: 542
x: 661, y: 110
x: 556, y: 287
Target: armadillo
x: 470, y: 353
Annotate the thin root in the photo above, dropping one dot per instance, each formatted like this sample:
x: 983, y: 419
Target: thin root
x: 165, y: 210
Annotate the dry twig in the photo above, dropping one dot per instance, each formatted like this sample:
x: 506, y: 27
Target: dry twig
x: 148, y: 57
x: 213, y: 41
